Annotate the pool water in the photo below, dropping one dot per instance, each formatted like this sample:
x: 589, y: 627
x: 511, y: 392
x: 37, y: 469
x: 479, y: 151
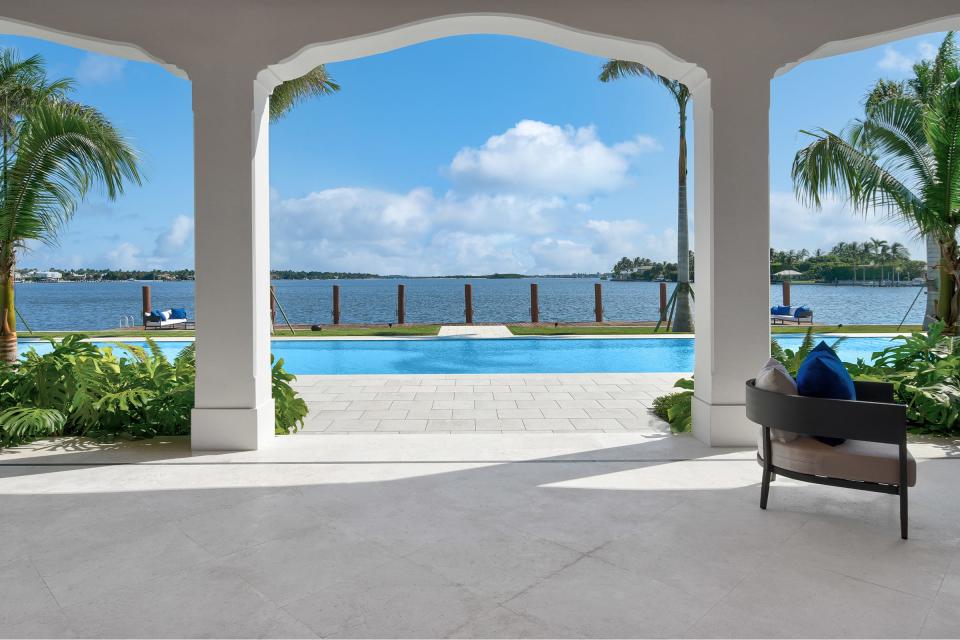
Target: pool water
x: 507, y: 355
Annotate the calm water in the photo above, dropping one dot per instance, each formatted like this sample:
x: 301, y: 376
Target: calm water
x: 509, y: 355
x: 101, y: 305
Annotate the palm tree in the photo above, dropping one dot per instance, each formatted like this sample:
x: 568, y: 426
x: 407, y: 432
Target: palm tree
x: 899, y: 254
x: 287, y: 95
x: 879, y: 249
x: 55, y: 151
x: 900, y: 160
x: 615, y: 70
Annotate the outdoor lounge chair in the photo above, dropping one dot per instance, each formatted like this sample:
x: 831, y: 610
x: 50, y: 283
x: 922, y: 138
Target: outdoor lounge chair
x: 167, y: 319
x: 783, y: 315
x: 874, y: 456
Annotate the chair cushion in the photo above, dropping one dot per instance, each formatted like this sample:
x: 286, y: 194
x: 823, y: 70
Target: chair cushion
x: 853, y: 460
x: 178, y: 314
x: 801, y: 312
x: 822, y: 375
x: 780, y: 310
x: 775, y: 377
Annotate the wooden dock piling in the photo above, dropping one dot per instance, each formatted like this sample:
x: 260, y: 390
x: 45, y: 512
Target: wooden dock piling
x: 468, y: 303
x: 336, y: 304
x: 147, y: 307
x: 534, y: 303
x: 401, y: 310
x: 597, y: 302
x: 786, y: 293
x: 663, y: 301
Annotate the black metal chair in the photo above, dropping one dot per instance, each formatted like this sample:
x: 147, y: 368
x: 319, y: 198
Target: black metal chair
x: 874, y: 457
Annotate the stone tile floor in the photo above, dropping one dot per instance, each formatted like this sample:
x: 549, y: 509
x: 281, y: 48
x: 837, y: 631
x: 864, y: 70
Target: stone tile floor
x: 483, y: 402
x: 629, y: 534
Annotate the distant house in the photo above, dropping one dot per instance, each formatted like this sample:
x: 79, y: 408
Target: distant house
x: 45, y: 276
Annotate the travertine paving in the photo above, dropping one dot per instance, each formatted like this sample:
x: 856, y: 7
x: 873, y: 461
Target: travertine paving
x: 553, y: 535
x: 484, y: 402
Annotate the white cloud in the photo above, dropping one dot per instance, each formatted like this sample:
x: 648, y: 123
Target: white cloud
x: 896, y: 61
x: 99, y: 69
x: 793, y: 226
x: 539, y: 157
x: 176, y: 239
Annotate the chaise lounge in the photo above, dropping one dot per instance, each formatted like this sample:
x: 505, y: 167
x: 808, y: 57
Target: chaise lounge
x: 784, y: 314
x: 873, y: 457
x: 167, y: 319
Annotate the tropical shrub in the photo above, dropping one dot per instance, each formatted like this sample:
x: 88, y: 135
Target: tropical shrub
x: 121, y: 390
x: 676, y: 407
x: 925, y: 372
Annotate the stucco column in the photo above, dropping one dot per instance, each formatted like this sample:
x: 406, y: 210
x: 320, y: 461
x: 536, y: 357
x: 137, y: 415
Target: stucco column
x: 732, y: 227
x: 234, y: 407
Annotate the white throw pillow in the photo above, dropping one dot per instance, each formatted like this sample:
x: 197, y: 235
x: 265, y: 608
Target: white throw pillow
x: 775, y: 377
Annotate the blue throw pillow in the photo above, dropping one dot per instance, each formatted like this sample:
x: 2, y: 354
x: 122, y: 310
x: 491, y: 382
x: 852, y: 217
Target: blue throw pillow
x: 178, y: 314
x: 802, y: 310
x: 780, y: 310
x: 822, y: 375
x: 156, y: 315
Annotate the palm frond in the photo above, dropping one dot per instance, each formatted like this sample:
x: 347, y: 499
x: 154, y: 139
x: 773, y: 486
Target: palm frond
x: 316, y: 82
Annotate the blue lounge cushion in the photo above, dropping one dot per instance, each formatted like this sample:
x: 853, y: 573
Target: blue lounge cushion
x: 801, y: 311
x: 155, y: 316
x: 780, y: 310
x: 822, y: 375
x: 178, y: 314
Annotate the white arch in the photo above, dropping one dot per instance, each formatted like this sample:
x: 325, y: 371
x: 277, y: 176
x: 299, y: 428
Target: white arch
x: 88, y: 43
x: 651, y: 54
x: 839, y: 47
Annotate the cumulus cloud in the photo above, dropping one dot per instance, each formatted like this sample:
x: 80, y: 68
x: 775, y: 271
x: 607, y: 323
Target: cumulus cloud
x: 173, y: 248
x: 529, y: 200
x: 535, y: 156
x: 99, y: 69
x: 900, y: 62
x: 176, y: 239
x: 793, y: 226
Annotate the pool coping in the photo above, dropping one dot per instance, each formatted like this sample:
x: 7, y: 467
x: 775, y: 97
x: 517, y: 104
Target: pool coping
x: 644, y: 336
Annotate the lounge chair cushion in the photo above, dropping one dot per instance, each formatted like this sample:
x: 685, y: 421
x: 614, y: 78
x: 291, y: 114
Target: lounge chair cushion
x: 775, y: 377
x: 780, y: 310
x: 178, y: 314
x: 852, y: 460
x: 822, y: 375
x: 801, y: 312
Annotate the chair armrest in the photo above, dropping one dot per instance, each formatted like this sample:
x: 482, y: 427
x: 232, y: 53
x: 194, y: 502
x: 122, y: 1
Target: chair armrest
x: 851, y: 419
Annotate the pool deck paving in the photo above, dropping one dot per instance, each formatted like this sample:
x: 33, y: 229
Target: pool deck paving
x: 457, y: 403
x: 469, y: 535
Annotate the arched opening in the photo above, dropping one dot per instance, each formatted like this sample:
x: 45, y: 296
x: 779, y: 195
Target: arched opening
x: 540, y: 33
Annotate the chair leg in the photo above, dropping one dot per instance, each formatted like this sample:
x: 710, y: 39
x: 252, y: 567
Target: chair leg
x: 765, y: 487
x: 903, y: 488
x: 903, y: 511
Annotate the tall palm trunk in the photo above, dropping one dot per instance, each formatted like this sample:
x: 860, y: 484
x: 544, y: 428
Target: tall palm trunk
x: 8, y: 326
x: 683, y: 320
x: 932, y: 278
x: 947, y: 303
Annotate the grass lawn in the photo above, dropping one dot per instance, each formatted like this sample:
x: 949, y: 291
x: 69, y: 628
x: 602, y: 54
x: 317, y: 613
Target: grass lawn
x: 383, y: 331
x: 527, y: 330
x: 432, y: 329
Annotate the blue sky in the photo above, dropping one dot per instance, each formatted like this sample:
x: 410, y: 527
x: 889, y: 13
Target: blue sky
x: 463, y: 155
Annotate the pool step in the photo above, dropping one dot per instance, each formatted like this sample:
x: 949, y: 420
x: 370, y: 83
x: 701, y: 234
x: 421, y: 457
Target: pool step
x: 475, y: 331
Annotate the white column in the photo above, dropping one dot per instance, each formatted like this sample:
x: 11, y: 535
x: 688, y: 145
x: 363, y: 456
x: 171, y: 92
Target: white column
x: 234, y: 407
x: 732, y: 240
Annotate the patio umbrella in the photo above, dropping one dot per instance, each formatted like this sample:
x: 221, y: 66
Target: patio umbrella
x: 789, y: 273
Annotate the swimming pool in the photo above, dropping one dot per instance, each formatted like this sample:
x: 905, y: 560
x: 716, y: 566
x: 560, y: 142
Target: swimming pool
x: 507, y: 355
